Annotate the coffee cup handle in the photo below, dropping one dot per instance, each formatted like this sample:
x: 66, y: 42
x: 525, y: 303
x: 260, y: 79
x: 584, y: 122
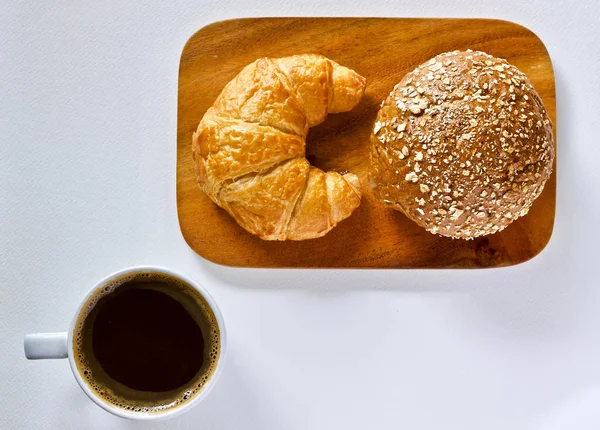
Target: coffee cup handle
x: 40, y: 346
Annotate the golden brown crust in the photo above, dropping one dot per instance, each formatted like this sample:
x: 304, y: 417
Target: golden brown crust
x: 462, y: 145
x: 263, y: 203
x: 310, y: 82
x: 249, y: 147
x: 348, y: 89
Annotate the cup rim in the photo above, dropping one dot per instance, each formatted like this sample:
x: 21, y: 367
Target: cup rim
x: 176, y: 410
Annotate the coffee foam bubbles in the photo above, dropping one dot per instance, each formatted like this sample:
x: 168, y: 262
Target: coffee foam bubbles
x: 144, y: 402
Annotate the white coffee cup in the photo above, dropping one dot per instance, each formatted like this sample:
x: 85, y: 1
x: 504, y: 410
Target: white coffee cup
x: 60, y: 345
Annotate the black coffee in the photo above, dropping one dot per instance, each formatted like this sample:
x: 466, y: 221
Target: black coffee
x: 147, y: 342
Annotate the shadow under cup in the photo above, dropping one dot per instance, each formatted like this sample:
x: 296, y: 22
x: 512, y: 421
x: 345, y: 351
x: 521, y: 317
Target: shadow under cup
x: 146, y: 342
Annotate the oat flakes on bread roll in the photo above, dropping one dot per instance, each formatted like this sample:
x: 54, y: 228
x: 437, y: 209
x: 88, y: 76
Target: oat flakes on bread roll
x: 462, y: 145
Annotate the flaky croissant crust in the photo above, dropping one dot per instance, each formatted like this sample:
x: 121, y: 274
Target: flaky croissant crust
x: 249, y: 148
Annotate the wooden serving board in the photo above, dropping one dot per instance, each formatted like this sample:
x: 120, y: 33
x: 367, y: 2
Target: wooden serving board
x: 382, y: 50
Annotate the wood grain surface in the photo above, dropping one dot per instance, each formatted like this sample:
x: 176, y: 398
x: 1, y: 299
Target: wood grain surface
x: 382, y: 50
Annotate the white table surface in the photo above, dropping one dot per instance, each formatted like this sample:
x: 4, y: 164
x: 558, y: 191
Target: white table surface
x: 87, y: 186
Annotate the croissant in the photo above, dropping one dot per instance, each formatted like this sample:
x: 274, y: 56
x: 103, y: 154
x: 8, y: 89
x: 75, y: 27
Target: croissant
x: 249, y: 148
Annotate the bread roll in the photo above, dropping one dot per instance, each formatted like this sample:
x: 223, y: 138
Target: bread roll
x: 462, y: 145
